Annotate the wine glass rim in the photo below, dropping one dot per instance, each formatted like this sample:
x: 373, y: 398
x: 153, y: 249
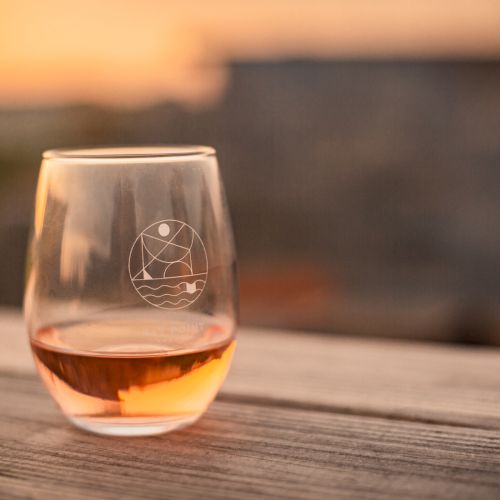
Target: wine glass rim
x: 113, y: 153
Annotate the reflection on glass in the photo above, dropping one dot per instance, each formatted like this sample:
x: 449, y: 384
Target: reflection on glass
x: 131, y: 297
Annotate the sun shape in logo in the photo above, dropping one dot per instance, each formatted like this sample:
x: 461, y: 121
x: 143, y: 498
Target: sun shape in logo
x: 168, y: 264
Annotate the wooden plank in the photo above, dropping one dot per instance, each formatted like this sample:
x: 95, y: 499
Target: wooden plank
x: 240, y: 451
x: 457, y: 385
x: 15, y: 355
x: 406, y: 380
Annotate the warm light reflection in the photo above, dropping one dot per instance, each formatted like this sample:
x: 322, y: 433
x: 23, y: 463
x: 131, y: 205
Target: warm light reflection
x: 186, y: 395
x: 59, y: 186
x: 133, y: 52
x: 42, y: 194
x: 182, y: 394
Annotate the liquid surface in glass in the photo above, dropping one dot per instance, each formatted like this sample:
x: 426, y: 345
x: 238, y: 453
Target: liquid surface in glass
x: 98, y: 372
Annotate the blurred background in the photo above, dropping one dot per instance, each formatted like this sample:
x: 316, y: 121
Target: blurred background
x: 359, y: 142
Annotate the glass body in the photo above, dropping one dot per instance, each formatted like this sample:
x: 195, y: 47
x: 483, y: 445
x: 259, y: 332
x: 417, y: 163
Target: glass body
x: 131, y: 289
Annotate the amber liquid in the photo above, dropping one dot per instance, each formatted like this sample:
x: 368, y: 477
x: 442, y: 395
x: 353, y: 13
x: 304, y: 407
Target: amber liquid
x: 99, y: 371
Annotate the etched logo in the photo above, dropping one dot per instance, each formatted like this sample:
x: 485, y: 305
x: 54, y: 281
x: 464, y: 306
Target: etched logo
x: 168, y: 264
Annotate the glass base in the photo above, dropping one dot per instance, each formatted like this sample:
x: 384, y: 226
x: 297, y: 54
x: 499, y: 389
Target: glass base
x: 133, y: 426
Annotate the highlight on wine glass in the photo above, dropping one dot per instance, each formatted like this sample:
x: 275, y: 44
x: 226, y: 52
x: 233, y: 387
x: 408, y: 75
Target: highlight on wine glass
x: 131, y: 290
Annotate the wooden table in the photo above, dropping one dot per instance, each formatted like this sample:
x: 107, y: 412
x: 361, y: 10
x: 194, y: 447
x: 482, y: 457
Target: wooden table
x: 301, y: 415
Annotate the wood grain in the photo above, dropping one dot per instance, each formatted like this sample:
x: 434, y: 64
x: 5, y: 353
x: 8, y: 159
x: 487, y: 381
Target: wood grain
x: 456, y: 385
x: 406, y: 380
x: 301, y: 416
x: 241, y: 451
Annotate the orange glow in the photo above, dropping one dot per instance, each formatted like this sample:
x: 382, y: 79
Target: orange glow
x: 133, y: 52
x: 112, y: 52
x: 183, y: 394
x: 186, y: 395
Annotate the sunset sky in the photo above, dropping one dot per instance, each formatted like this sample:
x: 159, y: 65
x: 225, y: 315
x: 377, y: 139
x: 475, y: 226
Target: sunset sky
x: 134, y: 52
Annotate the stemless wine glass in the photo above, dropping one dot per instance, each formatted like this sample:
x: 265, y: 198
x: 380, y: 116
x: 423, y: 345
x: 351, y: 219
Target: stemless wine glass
x: 131, y: 288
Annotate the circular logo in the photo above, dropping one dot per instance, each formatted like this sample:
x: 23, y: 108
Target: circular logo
x: 168, y: 264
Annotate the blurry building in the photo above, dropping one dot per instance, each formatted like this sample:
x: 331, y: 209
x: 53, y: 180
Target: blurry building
x: 364, y: 194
